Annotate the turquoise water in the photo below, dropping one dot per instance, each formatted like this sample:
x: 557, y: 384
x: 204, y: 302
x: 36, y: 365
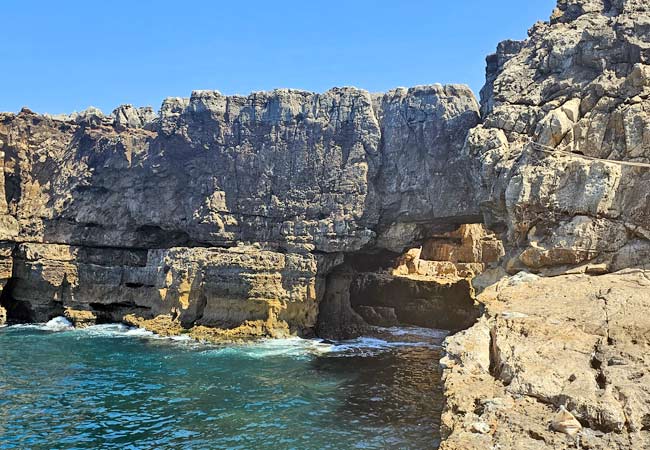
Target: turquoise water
x: 112, y: 387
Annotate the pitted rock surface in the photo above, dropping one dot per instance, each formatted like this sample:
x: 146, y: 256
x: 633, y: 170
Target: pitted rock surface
x: 581, y: 84
x: 279, y: 177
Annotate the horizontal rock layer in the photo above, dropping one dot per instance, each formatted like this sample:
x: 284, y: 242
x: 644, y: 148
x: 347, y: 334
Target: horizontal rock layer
x: 225, y: 211
x: 212, y: 287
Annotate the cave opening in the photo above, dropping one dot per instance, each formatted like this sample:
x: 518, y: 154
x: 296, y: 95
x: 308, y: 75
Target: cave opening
x: 429, y: 285
x: 16, y: 311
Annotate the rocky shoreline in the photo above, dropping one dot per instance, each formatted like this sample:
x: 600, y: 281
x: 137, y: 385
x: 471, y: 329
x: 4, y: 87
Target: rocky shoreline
x: 522, y: 222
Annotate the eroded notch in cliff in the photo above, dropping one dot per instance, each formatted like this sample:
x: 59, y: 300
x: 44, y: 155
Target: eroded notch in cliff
x: 428, y: 286
x: 11, y: 310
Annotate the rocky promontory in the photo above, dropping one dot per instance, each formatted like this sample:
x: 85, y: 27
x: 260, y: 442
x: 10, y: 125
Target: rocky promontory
x: 562, y: 160
x: 226, y: 212
x: 521, y: 222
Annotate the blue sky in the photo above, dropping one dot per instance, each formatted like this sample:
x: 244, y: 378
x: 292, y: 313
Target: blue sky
x: 61, y: 56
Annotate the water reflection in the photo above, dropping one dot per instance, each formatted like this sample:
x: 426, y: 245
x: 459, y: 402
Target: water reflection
x: 399, y: 389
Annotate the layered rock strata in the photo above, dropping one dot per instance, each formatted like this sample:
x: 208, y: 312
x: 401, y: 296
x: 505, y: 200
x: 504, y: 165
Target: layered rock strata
x: 225, y: 211
x: 289, y: 212
x: 259, y: 290
x: 561, y: 159
x: 430, y: 285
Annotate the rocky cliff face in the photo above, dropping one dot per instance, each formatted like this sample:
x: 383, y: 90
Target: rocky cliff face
x: 291, y: 212
x: 561, y: 161
x: 224, y: 210
x: 333, y: 176
x: 318, y: 172
x: 579, y: 84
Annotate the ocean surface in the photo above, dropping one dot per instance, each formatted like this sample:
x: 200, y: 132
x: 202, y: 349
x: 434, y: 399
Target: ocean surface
x: 114, y: 387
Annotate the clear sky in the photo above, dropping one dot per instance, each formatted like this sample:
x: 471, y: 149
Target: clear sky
x: 61, y: 56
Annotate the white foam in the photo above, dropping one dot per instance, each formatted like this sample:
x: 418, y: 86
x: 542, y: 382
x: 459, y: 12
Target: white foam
x: 287, y: 347
x: 107, y: 330
x: 369, y: 346
x: 56, y: 324
x: 294, y: 347
x: 416, y: 331
x: 59, y: 324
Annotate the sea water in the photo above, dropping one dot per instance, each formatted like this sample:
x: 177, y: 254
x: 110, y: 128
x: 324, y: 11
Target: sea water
x: 115, y: 387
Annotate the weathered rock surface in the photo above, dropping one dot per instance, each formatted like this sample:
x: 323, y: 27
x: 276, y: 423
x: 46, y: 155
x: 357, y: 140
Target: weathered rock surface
x: 210, y: 287
x: 292, y: 168
x: 463, y: 253
x: 426, y: 302
x: 141, y: 215
x: 286, y: 212
x: 580, y: 84
x: 576, y: 341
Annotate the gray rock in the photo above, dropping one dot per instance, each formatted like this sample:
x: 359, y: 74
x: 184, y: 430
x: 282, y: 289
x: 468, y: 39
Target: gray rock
x: 580, y: 84
x: 302, y: 176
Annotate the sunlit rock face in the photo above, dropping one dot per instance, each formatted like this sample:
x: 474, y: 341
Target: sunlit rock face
x: 329, y: 179
x: 580, y: 83
x: 225, y: 211
x: 571, y: 345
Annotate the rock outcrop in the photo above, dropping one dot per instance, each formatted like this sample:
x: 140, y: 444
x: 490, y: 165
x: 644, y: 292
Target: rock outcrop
x: 222, y: 211
x: 561, y: 162
x: 290, y: 212
x: 312, y: 172
x: 580, y: 85
x: 574, y: 341
x: 210, y: 287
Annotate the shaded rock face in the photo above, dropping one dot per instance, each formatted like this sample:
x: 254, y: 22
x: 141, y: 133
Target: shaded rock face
x: 226, y: 211
x: 579, y: 84
x: 422, y: 302
x: 290, y: 168
x: 287, y: 212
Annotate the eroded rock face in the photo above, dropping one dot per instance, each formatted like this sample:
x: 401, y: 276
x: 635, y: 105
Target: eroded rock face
x: 544, y: 343
x: 273, y: 214
x: 143, y: 215
x: 211, y: 287
x: 580, y: 84
x: 426, y: 302
x: 291, y: 168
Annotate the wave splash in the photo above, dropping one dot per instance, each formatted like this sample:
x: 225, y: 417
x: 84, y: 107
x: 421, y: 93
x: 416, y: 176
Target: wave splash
x: 381, y: 340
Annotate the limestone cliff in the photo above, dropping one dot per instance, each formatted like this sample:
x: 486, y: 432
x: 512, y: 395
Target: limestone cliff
x: 224, y: 210
x: 561, y: 162
x: 579, y: 85
x: 290, y: 212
